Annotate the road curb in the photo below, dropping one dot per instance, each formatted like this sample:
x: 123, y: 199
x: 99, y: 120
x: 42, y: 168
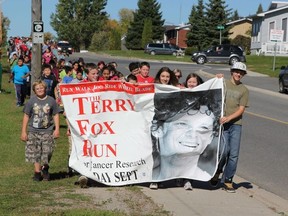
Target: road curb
x: 272, y: 201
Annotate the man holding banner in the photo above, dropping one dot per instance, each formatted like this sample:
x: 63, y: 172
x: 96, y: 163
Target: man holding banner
x: 236, y: 101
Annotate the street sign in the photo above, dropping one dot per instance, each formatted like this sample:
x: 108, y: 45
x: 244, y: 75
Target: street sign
x: 38, y: 37
x: 38, y: 26
x: 220, y: 27
x: 276, y: 35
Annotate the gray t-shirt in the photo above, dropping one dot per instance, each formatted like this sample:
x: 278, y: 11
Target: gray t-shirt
x: 41, y: 112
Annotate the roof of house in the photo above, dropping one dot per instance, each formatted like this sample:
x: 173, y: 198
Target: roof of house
x: 176, y: 27
x: 242, y: 20
x: 274, y: 7
x: 169, y: 27
x: 277, y: 4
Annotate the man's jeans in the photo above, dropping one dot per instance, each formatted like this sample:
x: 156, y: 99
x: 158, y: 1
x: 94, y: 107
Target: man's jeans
x: 20, y: 93
x: 231, y: 139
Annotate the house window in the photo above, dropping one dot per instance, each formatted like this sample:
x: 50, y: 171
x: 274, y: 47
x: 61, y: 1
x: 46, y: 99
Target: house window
x: 271, y: 26
x: 253, y: 28
x: 284, y: 28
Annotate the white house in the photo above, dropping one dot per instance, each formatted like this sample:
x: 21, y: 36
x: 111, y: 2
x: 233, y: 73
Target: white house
x: 269, y: 30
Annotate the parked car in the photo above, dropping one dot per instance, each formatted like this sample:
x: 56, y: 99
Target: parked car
x: 65, y: 47
x: 283, y: 79
x: 224, y: 53
x: 163, y: 49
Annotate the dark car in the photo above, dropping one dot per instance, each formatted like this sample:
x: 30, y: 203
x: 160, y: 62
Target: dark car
x: 283, y: 80
x: 163, y: 49
x: 224, y: 53
x: 64, y: 47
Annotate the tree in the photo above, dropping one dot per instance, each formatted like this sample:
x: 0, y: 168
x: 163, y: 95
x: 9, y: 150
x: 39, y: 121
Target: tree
x: 147, y: 32
x: 5, y: 26
x: 196, y: 36
x: 48, y: 36
x: 243, y: 41
x: 146, y: 9
x: 77, y: 20
x: 99, y: 41
x: 108, y: 39
x: 260, y: 9
x: 217, y: 14
x: 235, y: 16
x: 114, y: 40
x: 126, y: 17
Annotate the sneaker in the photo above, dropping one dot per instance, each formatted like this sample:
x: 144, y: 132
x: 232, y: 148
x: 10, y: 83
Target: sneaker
x: 179, y: 182
x: 187, y: 185
x: 229, y: 187
x: 215, y: 180
x: 45, y: 173
x: 83, y: 180
x: 37, y: 176
x: 70, y: 172
x: 153, y: 186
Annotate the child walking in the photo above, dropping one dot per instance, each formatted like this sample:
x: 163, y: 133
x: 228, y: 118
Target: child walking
x: 40, y: 127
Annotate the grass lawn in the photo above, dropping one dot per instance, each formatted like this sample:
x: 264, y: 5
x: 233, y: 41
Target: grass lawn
x: 20, y: 195
x: 260, y: 64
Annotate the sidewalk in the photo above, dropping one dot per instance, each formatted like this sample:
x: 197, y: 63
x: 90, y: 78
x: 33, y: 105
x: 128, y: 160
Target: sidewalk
x: 249, y: 200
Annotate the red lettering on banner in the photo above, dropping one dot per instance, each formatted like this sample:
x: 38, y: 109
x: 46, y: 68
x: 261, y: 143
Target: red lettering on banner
x: 80, y: 104
x: 121, y: 105
x: 102, y: 106
x: 107, y: 105
x: 82, y: 127
x: 99, y: 150
x: 103, y: 86
x: 96, y: 128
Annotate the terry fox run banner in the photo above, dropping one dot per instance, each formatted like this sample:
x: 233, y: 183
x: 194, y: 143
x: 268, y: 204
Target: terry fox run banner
x: 126, y: 134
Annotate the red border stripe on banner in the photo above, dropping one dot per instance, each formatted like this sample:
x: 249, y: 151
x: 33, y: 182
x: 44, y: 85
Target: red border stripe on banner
x: 102, y: 86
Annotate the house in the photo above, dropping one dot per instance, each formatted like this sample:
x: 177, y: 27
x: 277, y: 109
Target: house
x: 269, y: 30
x: 177, y: 34
x: 240, y: 27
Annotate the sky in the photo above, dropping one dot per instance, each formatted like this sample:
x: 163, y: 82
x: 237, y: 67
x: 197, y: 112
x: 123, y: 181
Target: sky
x: 173, y: 11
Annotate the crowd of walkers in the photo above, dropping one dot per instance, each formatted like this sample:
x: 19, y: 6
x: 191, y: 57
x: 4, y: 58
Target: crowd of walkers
x: 41, y: 112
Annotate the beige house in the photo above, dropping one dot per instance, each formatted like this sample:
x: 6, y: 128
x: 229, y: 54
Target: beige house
x: 240, y: 27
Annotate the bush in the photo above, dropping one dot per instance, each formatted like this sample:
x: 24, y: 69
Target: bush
x: 99, y: 41
x: 244, y: 42
x: 114, y: 40
x: 190, y: 50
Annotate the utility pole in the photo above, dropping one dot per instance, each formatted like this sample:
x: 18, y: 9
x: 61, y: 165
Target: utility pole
x: 36, y: 10
x: 1, y: 41
x: 1, y: 35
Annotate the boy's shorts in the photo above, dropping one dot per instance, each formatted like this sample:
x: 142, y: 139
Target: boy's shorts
x: 39, y: 147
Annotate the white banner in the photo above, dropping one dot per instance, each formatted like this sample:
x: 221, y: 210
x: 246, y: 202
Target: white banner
x: 126, y: 134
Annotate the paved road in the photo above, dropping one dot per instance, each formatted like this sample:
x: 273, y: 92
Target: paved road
x: 263, y: 156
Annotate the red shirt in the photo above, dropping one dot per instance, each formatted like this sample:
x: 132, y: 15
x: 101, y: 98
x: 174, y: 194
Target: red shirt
x: 84, y: 80
x: 102, y: 78
x: 141, y: 79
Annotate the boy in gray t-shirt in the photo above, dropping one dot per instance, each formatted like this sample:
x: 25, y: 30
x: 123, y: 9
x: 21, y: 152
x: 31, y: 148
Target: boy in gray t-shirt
x: 41, y: 121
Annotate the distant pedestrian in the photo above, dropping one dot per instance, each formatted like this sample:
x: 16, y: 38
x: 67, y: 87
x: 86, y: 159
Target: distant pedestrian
x: 48, y: 77
x: 193, y: 80
x: 143, y: 76
x: 19, y: 74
